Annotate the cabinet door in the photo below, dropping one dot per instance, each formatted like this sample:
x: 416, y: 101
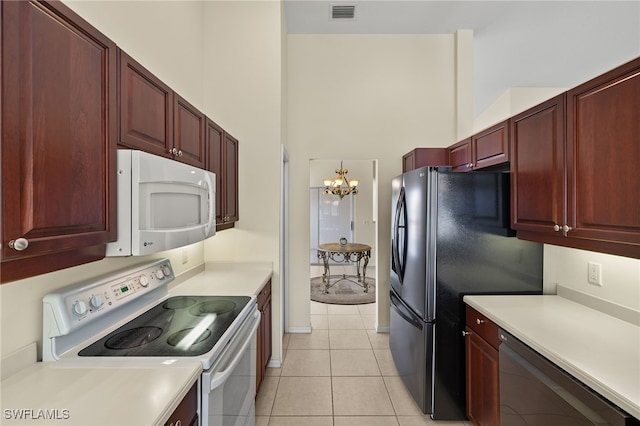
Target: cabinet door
x: 421, y: 157
x: 230, y: 153
x: 214, y: 138
x: 483, y: 398
x: 538, y: 167
x: 58, y: 139
x: 491, y: 146
x: 189, y: 136
x: 603, y: 150
x: 187, y: 411
x: 460, y: 156
x: 146, y: 109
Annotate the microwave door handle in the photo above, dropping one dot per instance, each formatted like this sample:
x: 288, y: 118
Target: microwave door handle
x: 212, y: 211
x: 219, y: 377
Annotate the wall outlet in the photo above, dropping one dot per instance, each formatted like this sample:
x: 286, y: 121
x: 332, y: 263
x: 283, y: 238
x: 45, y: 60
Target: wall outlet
x: 595, y: 273
x: 185, y: 256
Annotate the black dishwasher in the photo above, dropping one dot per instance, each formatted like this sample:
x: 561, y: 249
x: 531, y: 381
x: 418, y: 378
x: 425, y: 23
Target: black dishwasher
x: 535, y: 392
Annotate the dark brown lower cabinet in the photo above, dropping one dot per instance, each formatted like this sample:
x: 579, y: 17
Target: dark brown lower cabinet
x: 187, y: 412
x: 482, y: 372
x: 264, y: 333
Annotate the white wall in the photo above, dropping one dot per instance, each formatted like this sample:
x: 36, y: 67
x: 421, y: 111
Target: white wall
x: 362, y: 97
x: 166, y: 37
x: 620, y: 275
x: 243, y: 52
x: 552, y: 44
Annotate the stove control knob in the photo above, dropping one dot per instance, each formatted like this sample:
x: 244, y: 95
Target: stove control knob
x: 79, y: 308
x: 166, y: 270
x: 144, y: 281
x: 96, y: 301
x: 160, y: 274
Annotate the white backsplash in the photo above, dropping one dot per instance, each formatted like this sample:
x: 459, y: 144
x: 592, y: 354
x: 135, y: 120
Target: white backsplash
x: 568, y: 267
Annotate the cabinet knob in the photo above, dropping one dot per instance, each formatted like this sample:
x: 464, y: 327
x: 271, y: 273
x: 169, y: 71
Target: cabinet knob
x: 479, y: 321
x: 566, y: 229
x: 19, y: 244
x: 179, y: 153
x: 556, y: 228
x: 465, y: 333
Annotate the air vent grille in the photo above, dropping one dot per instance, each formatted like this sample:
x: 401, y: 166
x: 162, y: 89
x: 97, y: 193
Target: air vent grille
x: 342, y: 11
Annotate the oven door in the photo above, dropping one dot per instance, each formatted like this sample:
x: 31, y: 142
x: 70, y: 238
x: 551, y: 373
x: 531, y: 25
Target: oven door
x: 229, y: 386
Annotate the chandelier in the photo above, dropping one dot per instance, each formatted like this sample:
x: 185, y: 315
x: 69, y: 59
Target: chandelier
x: 341, y: 186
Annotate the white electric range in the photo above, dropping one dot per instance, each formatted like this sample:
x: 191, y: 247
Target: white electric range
x: 129, y: 315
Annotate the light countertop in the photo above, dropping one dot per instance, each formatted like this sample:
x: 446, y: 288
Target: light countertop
x: 93, y: 391
x: 598, y: 349
x: 241, y: 279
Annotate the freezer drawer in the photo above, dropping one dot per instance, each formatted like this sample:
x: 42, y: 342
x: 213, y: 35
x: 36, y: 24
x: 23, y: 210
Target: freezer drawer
x: 411, y: 344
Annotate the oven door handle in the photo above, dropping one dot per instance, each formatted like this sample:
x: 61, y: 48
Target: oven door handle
x: 219, y: 377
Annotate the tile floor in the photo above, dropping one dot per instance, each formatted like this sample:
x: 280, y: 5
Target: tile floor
x: 341, y: 374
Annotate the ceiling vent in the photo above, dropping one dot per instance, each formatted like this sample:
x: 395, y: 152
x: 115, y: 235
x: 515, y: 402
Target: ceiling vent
x: 343, y: 11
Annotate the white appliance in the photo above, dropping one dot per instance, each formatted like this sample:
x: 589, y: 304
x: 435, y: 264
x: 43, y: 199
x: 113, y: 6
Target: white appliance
x: 129, y: 317
x: 162, y: 204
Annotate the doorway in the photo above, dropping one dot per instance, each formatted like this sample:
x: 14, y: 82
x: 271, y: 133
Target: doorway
x: 352, y: 217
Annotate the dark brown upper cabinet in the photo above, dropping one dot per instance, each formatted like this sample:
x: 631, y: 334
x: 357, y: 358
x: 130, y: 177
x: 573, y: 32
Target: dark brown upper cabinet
x: 222, y: 159
x: 59, y: 135
x: 155, y: 119
x: 487, y: 148
x: 421, y: 157
x: 146, y: 109
x: 189, y: 128
x: 460, y: 156
x: 538, y: 168
x: 574, y: 166
x: 603, y: 149
x: 491, y: 146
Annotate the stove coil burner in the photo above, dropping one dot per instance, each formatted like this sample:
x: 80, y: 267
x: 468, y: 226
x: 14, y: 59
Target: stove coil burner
x: 133, y: 338
x: 188, y: 337
x: 218, y: 307
x: 179, y: 302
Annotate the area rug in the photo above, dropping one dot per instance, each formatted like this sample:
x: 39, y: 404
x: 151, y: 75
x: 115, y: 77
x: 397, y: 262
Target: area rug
x: 344, y: 292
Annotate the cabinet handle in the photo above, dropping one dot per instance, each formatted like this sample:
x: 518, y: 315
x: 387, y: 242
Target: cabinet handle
x: 179, y: 153
x: 566, y: 229
x: 19, y: 244
x: 465, y: 333
x: 556, y: 228
x: 479, y: 321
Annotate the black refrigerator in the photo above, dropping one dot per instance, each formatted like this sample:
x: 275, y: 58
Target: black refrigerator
x: 450, y: 236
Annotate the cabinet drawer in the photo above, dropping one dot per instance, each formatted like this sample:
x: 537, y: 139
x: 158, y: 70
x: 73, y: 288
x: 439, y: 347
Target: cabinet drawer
x: 483, y: 326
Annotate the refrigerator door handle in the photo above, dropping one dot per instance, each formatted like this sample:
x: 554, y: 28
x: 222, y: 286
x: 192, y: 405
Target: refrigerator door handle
x: 399, y: 307
x: 398, y: 263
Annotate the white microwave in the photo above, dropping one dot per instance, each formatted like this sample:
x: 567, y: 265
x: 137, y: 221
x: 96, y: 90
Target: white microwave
x: 162, y: 204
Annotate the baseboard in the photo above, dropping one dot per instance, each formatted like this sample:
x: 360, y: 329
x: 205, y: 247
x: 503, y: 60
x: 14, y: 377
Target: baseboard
x: 382, y: 329
x: 274, y: 363
x: 299, y: 330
